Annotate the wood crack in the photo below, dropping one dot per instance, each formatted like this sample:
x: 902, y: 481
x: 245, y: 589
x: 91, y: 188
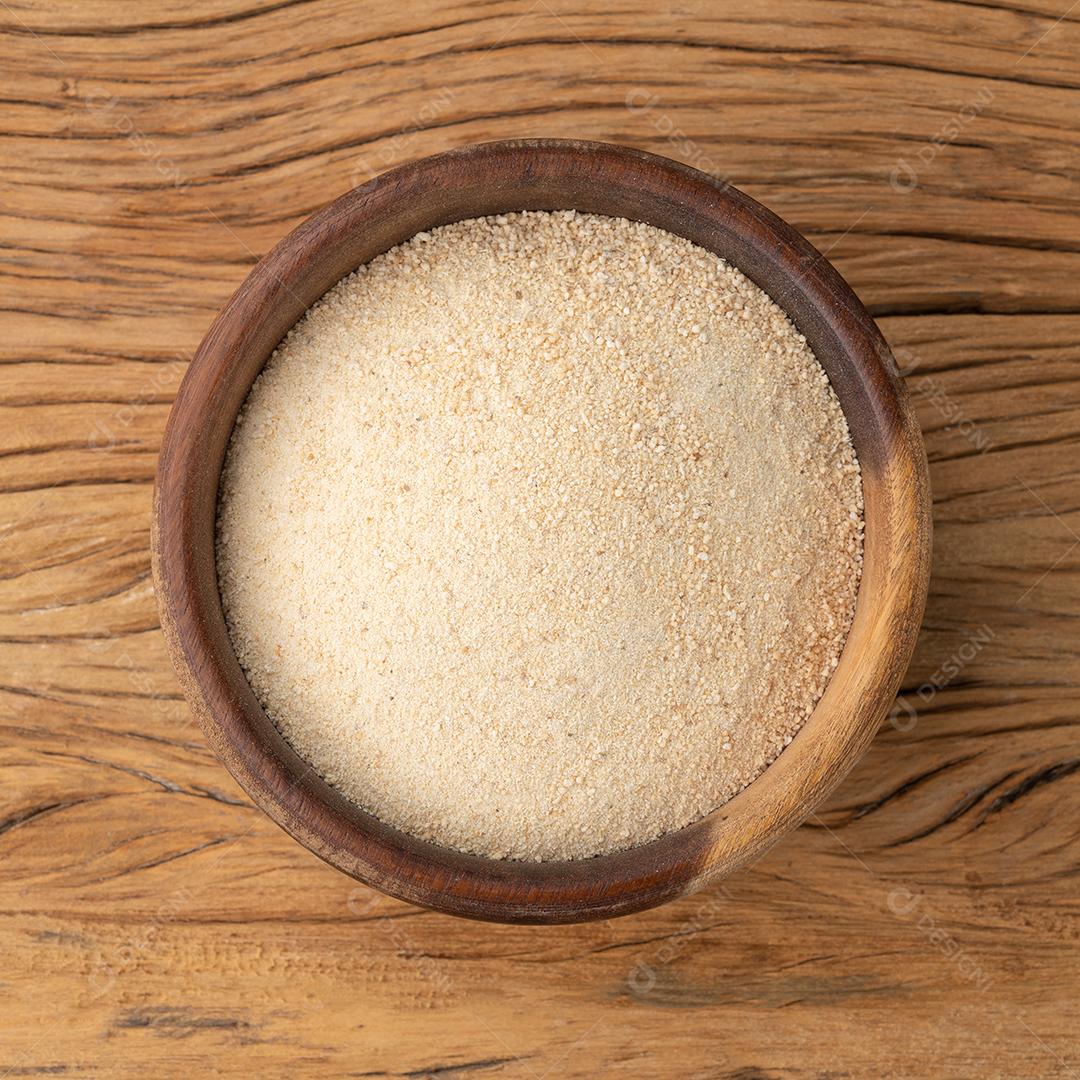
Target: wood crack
x: 1047, y: 775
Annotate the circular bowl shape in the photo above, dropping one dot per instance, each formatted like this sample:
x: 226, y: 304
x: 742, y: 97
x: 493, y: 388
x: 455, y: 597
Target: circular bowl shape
x: 543, y: 175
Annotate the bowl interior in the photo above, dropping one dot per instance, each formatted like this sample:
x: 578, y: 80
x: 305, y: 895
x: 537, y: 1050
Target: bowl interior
x: 543, y: 175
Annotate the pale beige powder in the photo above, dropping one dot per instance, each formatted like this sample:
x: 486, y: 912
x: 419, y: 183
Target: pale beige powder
x: 540, y: 535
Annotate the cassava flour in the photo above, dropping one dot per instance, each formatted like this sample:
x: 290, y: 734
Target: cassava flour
x: 540, y: 535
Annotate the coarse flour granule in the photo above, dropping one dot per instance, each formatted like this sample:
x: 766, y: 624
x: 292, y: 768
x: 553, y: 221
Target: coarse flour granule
x: 540, y: 535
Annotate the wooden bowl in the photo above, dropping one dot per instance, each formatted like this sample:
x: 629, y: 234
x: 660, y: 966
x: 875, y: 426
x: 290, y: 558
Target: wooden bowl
x: 543, y: 175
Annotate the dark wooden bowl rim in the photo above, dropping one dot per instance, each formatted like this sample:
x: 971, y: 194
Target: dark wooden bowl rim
x: 542, y: 175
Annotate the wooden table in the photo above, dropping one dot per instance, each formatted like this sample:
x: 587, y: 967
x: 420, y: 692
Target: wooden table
x: 926, y: 923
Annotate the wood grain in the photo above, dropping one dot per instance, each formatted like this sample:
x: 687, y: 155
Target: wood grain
x: 926, y: 924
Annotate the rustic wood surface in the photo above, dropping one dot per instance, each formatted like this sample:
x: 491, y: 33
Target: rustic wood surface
x: 926, y: 923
